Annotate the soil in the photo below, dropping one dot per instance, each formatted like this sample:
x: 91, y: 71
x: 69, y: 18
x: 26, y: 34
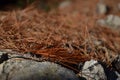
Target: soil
x: 67, y: 36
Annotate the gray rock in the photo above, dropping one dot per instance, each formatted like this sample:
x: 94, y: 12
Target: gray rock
x: 101, y: 8
x: 22, y: 69
x: 65, y: 4
x: 92, y: 70
x: 111, y: 21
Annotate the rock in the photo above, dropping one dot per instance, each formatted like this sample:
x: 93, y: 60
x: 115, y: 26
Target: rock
x: 97, y: 42
x: 22, y: 69
x: 111, y: 21
x: 65, y: 4
x: 101, y: 8
x: 92, y: 70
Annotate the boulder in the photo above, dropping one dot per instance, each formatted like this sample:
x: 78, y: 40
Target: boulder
x: 22, y: 69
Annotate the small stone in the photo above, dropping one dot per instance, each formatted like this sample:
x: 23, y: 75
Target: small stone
x: 92, y: 70
x: 111, y: 21
x: 97, y: 42
x: 101, y: 8
x: 65, y: 4
x: 116, y: 21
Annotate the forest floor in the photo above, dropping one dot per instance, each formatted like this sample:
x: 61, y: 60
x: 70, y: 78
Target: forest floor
x: 68, y: 34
